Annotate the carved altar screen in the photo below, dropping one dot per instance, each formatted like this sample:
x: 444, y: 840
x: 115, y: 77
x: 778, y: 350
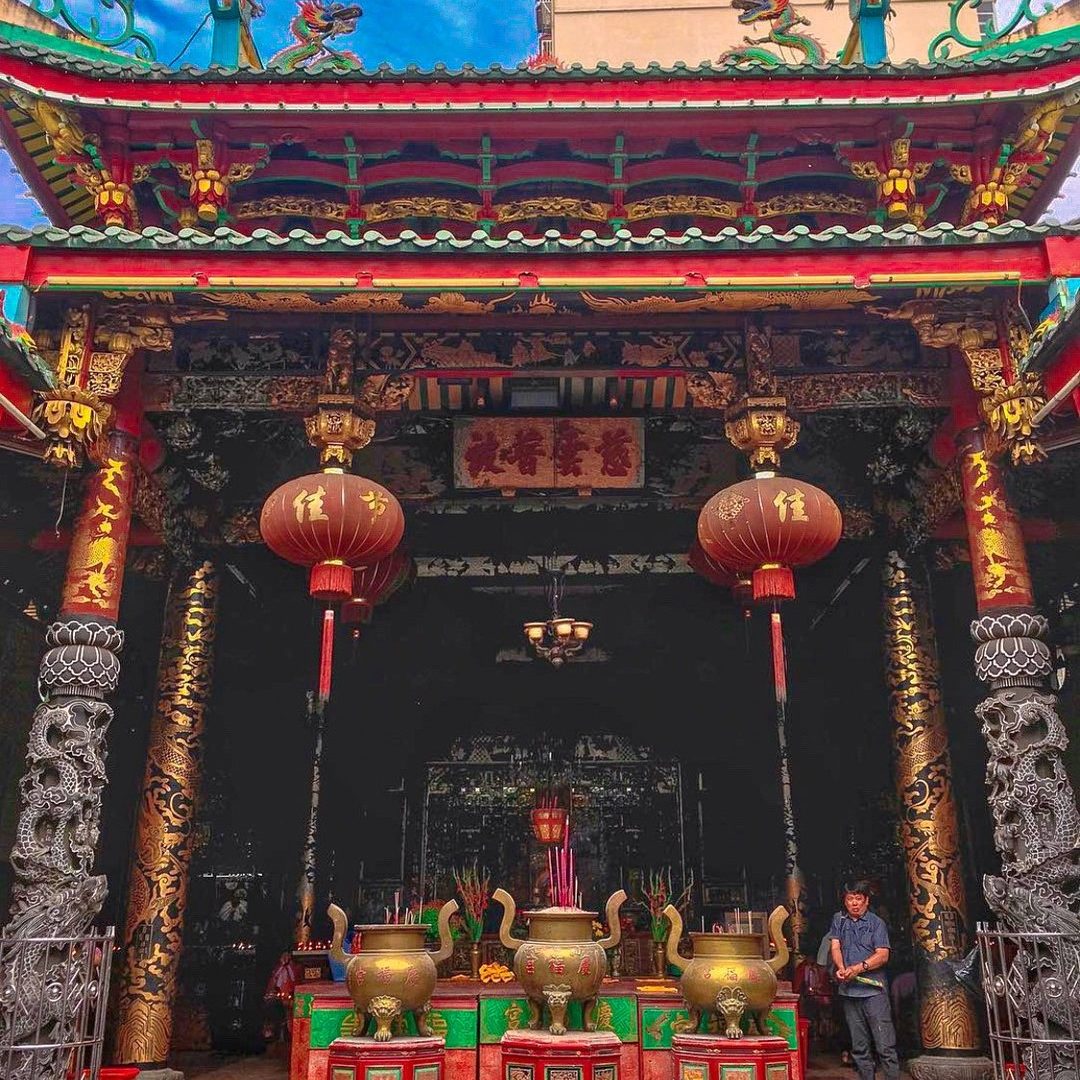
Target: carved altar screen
x: 626, y: 816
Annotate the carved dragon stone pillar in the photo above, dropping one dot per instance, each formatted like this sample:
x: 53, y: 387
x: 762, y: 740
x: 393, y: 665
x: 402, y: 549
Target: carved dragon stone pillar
x: 1036, y: 822
x: 948, y: 1029
x: 157, y: 893
x: 55, y: 892
x: 1037, y: 826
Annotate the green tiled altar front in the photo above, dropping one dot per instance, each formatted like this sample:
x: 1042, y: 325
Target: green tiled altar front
x: 473, y: 1018
x: 617, y: 1013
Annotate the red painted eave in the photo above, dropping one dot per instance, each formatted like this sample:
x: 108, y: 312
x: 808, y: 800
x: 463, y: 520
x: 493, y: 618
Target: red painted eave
x: 668, y: 91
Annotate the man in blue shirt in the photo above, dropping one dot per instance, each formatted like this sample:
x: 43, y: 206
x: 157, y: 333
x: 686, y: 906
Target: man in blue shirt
x: 859, y: 948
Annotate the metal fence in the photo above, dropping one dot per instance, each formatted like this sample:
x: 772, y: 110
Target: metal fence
x: 53, y: 994
x: 1031, y: 984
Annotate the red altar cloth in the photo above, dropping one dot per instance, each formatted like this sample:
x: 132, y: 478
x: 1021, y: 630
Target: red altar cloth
x: 577, y: 1055
x: 408, y: 1057
x: 710, y: 1057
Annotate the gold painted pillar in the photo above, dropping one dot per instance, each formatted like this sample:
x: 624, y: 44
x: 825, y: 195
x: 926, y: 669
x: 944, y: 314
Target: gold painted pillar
x: 157, y: 893
x: 936, y: 895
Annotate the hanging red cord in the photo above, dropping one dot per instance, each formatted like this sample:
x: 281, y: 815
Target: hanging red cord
x: 326, y: 659
x: 778, y: 663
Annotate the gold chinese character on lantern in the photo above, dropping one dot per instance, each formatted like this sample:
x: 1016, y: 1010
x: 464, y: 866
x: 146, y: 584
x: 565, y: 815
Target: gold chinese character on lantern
x: 311, y: 504
x: 375, y: 503
x: 794, y: 501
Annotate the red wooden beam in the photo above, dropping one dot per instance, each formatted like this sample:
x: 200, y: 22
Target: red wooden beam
x: 628, y: 265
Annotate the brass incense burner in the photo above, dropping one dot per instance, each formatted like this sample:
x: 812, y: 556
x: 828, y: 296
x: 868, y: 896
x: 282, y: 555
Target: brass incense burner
x: 729, y: 975
x: 393, y: 973
x: 559, y: 962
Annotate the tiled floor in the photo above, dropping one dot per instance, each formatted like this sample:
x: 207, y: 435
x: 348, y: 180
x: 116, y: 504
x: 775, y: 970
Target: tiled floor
x: 231, y: 1067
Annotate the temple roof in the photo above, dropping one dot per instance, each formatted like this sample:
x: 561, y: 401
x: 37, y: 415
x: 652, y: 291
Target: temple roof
x: 530, y: 153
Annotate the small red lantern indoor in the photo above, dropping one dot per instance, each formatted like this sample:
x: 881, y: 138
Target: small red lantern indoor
x: 331, y: 521
x: 549, y: 824
x: 374, y: 584
x: 769, y: 525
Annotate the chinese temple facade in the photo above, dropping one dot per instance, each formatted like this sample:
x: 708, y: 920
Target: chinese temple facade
x: 555, y: 314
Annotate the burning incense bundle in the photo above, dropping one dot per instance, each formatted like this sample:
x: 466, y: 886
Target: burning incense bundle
x: 475, y: 893
x: 563, y: 888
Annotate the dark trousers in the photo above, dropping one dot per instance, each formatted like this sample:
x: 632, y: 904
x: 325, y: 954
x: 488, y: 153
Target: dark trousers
x: 869, y: 1020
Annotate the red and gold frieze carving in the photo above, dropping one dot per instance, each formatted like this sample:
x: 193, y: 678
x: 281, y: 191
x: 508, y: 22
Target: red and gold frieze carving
x: 553, y: 206
x: 998, y: 558
x: 95, y: 572
x: 530, y: 453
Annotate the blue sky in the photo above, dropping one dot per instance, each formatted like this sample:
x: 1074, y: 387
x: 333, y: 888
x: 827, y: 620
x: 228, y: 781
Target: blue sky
x: 397, y: 32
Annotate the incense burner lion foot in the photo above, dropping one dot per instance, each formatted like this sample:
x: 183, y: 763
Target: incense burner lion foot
x: 557, y: 1000
x: 731, y: 1003
x: 384, y: 1010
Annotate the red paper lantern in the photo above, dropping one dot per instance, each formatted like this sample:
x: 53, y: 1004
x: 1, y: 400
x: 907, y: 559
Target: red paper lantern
x: 768, y: 525
x: 709, y: 568
x: 549, y: 824
x: 332, y: 522
x: 375, y: 583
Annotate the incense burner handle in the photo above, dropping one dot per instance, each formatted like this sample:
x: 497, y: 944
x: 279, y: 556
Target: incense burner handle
x: 446, y: 939
x: 509, y: 911
x: 674, y: 957
x: 776, y: 934
x: 337, y: 951
x: 615, y: 901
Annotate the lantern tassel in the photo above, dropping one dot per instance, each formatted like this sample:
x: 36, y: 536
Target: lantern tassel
x: 326, y: 658
x: 773, y: 582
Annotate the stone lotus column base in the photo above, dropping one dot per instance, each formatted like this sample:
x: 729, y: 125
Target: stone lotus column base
x: 939, y: 1067
x: 577, y: 1055
x: 410, y: 1057
x: 711, y: 1057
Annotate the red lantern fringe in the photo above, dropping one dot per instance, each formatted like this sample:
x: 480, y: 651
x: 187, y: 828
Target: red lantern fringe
x: 326, y: 658
x: 330, y: 581
x: 774, y: 583
x: 778, y: 662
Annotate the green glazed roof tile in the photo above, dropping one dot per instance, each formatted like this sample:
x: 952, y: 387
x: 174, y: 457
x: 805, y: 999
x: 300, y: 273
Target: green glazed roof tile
x: 694, y: 239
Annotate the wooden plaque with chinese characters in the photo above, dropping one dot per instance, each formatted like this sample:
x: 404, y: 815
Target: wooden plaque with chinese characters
x: 519, y: 453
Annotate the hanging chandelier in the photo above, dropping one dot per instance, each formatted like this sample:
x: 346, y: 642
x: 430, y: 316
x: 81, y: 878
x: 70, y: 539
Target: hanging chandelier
x: 560, y: 637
